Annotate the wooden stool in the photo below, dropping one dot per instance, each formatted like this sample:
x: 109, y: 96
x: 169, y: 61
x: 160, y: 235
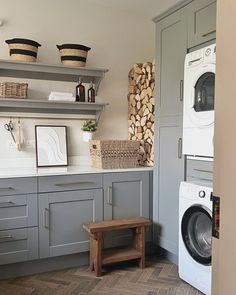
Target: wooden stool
x: 99, y: 256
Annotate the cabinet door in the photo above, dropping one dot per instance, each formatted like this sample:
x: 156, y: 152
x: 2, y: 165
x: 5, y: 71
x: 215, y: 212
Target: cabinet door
x: 171, y: 51
x: 126, y: 195
x: 166, y: 185
x: 201, y: 22
x: 61, y: 219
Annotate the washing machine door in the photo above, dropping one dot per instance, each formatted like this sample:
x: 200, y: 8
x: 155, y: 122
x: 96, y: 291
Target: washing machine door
x: 196, y: 227
x: 202, y: 99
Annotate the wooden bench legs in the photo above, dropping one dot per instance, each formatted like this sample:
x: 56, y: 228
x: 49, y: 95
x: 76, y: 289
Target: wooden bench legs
x: 96, y: 244
x: 96, y: 253
x: 139, y: 244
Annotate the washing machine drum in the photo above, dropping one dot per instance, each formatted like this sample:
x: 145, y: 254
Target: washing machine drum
x: 204, y: 95
x: 200, y: 103
x: 196, y: 229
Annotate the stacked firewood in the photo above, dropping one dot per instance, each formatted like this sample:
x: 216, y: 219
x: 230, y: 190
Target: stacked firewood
x: 141, y: 110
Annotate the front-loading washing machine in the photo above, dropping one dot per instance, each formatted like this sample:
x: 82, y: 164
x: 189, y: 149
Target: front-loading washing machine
x: 199, y: 97
x: 195, y: 235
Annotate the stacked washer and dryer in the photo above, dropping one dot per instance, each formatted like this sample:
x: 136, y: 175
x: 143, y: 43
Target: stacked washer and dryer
x: 195, y: 206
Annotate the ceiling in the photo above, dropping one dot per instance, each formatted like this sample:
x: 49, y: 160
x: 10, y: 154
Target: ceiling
x: 146, y: 8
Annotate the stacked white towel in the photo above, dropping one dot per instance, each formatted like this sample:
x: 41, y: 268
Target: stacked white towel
x: 61, y: 96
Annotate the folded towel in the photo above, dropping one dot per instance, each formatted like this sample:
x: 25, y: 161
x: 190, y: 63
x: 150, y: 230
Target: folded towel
x: 61, y: 98
x: 54, y: 93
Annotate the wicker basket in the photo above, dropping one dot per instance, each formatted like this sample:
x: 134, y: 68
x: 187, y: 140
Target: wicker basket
x: 23, y: 49
x: 109, y: 154
x: 73, y: 55
x: 13, y: 90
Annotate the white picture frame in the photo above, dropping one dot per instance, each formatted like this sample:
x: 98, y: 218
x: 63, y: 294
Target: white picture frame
x: 51, y: 146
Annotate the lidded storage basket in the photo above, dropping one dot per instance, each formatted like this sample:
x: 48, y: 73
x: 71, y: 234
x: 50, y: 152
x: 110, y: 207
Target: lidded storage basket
x: 23, y: 49
x: 13, y: 90
x: 111, y: 154
x: 74, y: 55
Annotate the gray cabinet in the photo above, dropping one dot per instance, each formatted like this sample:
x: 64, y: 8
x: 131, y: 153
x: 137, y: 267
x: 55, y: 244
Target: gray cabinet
x: 61, y: 219
x: 201, y: 170
x: 169, y: 172
x: 126, y: 195
x: 69, y: 182
x: 18, y: 245
x: 18, y: 211
x: 201, y: 22
x: 167, y: 180
x: 18, y: 186
x: 171, y: 50
x: 18, y: 220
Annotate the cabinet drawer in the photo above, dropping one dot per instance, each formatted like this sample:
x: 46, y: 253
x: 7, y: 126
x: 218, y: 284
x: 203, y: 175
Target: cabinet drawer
x: 18, y: 186
x: 200, y: 170
x: 69, y: 182
x: 18, y: 211
x: 18, y: 245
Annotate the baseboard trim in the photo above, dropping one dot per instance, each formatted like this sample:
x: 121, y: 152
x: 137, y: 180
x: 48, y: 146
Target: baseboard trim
x: 52, y: 264
x: 154, y: 249
x: 43, y: 265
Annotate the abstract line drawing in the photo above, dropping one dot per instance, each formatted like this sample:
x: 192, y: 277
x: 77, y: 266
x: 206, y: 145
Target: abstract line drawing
x: 51, y: 146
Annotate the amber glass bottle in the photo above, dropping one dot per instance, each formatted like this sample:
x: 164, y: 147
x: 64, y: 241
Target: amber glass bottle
x: 91, y: 93
x: 80, y: 92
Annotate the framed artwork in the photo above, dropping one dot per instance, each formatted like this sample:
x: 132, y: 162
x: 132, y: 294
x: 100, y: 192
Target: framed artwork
x: 51, y: 146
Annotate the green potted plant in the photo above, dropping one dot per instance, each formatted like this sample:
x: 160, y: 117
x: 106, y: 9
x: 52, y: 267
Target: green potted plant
x: 88, y: 128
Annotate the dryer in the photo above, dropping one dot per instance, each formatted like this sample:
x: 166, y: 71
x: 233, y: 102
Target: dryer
x: 199, y: 97
x: 195, y: 234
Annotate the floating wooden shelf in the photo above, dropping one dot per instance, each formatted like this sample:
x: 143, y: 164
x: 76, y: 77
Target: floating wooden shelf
x: 44, y: 108
x: 54, y: 72
x: 49, y: 108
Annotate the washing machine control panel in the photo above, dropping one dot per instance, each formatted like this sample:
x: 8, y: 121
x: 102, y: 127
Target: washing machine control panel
x: 208, y: 51
x: 202, y: 194
x: 195, y: 192
x: 197, y: 57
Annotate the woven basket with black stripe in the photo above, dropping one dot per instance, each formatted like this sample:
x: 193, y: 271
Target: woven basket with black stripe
x: 23, y: 49
x: 74, y: 55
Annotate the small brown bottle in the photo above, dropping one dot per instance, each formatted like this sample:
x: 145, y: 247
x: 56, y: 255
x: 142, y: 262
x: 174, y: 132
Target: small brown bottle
x: 80, y: 92
x: 91, y: 93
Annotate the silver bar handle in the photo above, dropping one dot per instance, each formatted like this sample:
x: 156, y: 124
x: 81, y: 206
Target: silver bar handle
x: 6, y: 188
x: 181, y: 90
x: 74, y: 183
x: 209, y: 33
x: 109, y: 195
x: 180, y: 144
x: 46, y: 216
x: 6, y: 203
x: 6, y: 237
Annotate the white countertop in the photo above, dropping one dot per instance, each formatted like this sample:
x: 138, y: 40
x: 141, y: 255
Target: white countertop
x: 70, y: 170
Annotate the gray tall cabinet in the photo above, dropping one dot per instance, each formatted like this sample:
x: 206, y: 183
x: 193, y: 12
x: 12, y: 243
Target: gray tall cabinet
x: 188, y: 24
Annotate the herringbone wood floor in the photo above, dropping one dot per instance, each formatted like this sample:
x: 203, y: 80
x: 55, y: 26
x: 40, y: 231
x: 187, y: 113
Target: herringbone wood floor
x: 158, y: 278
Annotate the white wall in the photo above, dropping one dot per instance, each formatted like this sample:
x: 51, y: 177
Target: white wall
x: 118, y: 40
